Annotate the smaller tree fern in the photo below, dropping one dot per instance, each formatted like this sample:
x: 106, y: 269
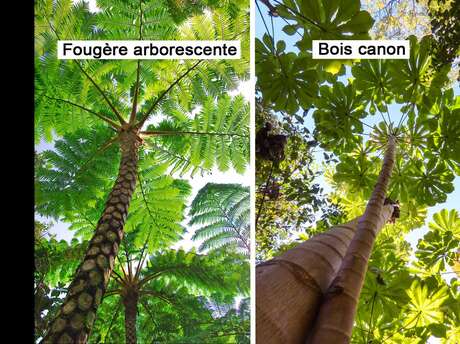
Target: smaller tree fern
x: 222, y: 211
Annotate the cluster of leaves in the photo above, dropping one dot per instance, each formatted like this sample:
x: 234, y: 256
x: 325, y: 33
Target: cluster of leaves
x: 404, y: 301
x: 446, y: 31
x: 425, y: 167
x: 189, y: 123
x: 288, y: 196
x: 183, y: 288
x: 288, y: 80
x: 397, y: 19
x: 354, y: 111
x: 222, y: 213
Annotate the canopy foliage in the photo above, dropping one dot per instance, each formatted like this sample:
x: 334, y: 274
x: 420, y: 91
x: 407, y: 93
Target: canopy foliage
x: 190, y: 119
x: 346, y: 110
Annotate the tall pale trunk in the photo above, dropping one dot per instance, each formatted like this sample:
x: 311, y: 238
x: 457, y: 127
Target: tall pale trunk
x: 289, y: 287
x: 130, y: 302
x: 334, y: 323
x: 75, y: 318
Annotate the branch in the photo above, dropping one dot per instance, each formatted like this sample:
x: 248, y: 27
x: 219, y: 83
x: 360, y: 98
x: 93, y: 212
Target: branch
x: 92, y: 81
x: 142, y: 258
x: 302, y: 16
x: 105, y: 119
x: 171, y: 132
x: 122, y: 121
x: 175, y: 156
x: 158, y: 295
x: 130, y: 268
x: 132, y: 118
x: 118, y: 277
x: 136, y: 89
x: 122, y: 268
x: 158, y: 273
x: 371, y: 325
x: 103, y: 148
x: 113, y: 318
x: 404, y: 327
x: 149, y: 111
x: 112, y: 292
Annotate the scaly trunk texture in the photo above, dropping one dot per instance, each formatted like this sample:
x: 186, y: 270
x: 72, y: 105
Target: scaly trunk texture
x: 75, y: 318
x: 289, y: 287
x: 130, y: 302
x: 334, y: 323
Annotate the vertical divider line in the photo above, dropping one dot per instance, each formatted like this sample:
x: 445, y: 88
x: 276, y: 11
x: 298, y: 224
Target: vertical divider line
x: 252, y: 165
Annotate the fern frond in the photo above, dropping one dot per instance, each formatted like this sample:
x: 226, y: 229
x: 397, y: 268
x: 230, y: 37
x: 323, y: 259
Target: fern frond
x: 222, y: 213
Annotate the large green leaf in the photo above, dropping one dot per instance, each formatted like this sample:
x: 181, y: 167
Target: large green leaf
x: 430, y: 182
x: 337, y: 118
x: 287, y: 80
x: 222, y: 213
x: 424, y: 305
x: 373, y: 77
x: 335, y: 19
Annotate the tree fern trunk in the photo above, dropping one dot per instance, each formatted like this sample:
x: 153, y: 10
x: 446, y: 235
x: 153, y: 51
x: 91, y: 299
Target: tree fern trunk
x: 334, y: 323
x: 130, y: 302
x: 289, y: 287
x: 75, y: 318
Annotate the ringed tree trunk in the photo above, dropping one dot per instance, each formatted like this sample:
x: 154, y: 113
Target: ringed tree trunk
x: 334, y: 323
x: 76, y: 316
x: 130, y: 300
x: 290, y: 288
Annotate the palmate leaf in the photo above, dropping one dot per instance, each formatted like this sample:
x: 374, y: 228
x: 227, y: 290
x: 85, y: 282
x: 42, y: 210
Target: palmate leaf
x: 386, y: 281
x: 439, y: 246
x: 337, y: 19
x: 374, y: 78
x: 416, y: 138
x: 358, y: 173
x: 436, y: 250
x: 445, y: 221
x: 445, y: 138
x: 430, y: 182
x: 337, y: 117
x: 287, y: 80
x: 399, y: 179
x: 413, y: 79
x: 222, y: 212
x: 424, y: 305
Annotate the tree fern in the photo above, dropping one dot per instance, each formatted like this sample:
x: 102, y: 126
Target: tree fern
x: 73, y: 94
x: 222, y: 213
x: 117, y: 100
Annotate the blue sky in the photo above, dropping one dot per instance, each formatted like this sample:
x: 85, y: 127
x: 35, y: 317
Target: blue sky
x: 453, y: 199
